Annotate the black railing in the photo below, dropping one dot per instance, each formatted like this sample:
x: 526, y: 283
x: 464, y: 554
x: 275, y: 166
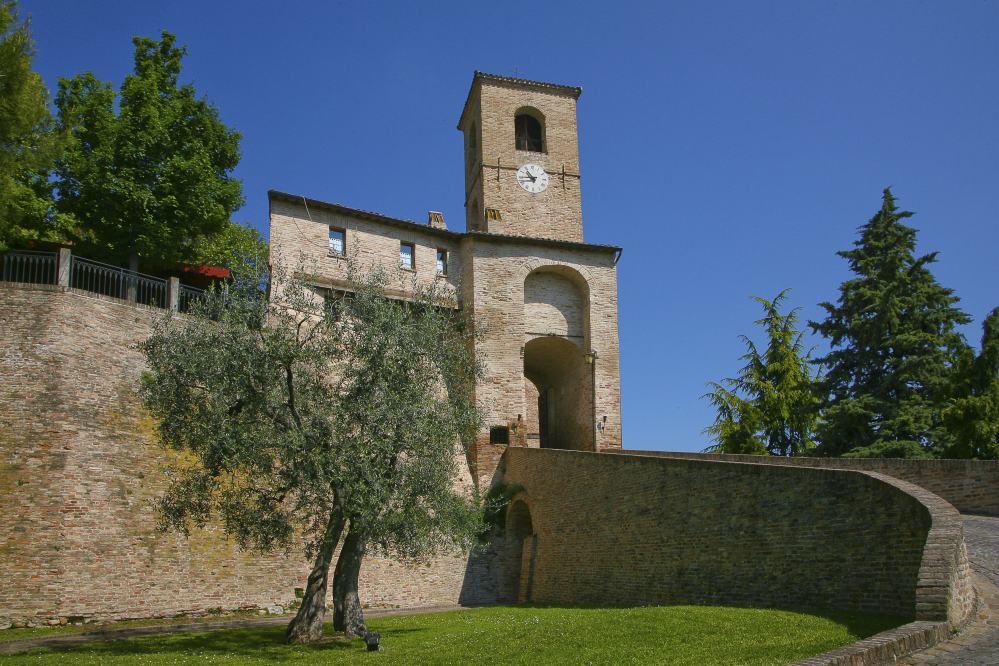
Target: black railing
x: 118, y: 282
x: 93, y: 276
x: 188, y: 296
x: 30, y: 267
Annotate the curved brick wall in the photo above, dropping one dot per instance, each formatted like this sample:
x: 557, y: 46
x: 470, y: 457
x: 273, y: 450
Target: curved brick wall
x: 79, y: 466
x: 972, y: 486
x: 629, y: 529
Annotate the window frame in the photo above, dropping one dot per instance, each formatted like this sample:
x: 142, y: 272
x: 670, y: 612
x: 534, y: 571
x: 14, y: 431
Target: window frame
x: 412, y: 256
x: 441, y: 261
x: 499, y: 435
x: 343, y: 242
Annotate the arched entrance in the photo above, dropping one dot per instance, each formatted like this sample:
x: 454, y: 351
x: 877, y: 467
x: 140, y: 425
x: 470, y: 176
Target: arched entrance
x: 521, y: 550
x: 557, y: 390
x: 558, y: 394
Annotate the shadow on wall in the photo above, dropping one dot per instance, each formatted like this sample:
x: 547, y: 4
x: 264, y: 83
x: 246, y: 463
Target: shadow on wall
x: 632, y: 530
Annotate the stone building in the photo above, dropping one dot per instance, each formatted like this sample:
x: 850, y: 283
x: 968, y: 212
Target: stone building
x: 547, y: 298
x: 80, y: 466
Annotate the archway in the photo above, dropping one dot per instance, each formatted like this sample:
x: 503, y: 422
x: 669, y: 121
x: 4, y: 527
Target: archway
x: 521, y: 548
x: 558, y: 383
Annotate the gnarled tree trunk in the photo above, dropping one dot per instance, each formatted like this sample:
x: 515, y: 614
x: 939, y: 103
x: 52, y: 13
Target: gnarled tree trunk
x: 307, y: 625
x: 347, y: 614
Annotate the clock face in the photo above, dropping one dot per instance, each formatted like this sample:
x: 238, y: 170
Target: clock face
x: 532, y: 178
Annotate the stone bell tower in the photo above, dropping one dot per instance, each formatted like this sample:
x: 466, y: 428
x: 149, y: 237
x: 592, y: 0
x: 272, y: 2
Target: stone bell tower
x: 522, y: 159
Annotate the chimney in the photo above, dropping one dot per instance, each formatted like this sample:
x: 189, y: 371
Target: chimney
x: 436, y: 220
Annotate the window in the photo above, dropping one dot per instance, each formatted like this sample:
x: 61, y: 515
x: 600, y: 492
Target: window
x: 529, y: 133
x: 337, y: 238
x: 473, y: 149
x: 499, y: 435
x: 406, y: 252
x: 442, y: 262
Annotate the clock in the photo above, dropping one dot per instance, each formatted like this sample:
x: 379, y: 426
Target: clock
x: 532, y: 178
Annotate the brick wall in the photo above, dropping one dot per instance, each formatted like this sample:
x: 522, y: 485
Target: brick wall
x: 491, y: 171
x: 79, y: 467
x: 972, y: 486
x: 625, y: 529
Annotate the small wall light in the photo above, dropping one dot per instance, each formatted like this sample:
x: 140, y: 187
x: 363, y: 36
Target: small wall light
x: 590, y: 357
x: 372, y: 641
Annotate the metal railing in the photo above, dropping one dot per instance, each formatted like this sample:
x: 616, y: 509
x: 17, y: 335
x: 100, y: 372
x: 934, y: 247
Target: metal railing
x: 30, y: 267
x: 65, y: 269
x: 188, y: 296
x: 118, y: 282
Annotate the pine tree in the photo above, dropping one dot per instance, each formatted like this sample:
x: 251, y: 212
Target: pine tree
x: 894, y: 341
x: 778, y: 415
x: 29, y: 142
x: 972, y: 418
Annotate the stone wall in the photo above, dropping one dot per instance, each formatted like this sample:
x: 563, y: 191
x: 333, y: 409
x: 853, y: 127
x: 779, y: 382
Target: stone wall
x: 972, y: 486
x: 79, y: 469
x: 627, y: 529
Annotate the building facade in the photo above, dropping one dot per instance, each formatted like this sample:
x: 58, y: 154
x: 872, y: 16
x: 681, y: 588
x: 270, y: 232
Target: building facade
x: 547, y: 300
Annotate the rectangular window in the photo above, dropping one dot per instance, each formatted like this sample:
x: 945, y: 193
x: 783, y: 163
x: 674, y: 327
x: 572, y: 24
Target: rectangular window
x: 406, y: 252
x: 337, y: 241
x: 499, y: 435
x: 442, y: 262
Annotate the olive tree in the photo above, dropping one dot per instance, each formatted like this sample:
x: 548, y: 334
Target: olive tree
x: 320, y: 416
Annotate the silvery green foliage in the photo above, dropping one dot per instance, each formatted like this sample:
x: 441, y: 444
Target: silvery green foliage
x: 320, y: 401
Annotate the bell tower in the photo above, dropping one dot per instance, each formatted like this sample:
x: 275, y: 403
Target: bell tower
x: 522, y: 159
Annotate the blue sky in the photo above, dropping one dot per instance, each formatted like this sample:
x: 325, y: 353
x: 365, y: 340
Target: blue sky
x: 731, y: 148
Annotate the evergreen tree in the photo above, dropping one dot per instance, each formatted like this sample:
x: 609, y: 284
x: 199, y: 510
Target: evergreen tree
x: 151, y: 176
x: 972, y: 418
x: 29, y: 142
x: 778, y: 415
x: 894, y: 341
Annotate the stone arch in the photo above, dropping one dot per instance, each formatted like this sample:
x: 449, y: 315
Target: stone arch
x: 520, y: 546
x: 580, y: 274
x: 558, y: 394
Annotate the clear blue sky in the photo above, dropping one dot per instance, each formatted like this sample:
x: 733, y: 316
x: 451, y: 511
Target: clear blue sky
x: 731, y: 148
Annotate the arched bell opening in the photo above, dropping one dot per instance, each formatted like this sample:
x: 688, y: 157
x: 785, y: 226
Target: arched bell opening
x: 520, y: 549
x: 558, y: 394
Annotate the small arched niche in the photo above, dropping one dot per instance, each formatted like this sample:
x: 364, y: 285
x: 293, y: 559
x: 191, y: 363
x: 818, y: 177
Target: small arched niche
x: 529, y: 130
x: 519, y: 549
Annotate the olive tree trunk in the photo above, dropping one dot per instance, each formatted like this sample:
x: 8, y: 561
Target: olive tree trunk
x: 307, y: 625
x: 347, y: 614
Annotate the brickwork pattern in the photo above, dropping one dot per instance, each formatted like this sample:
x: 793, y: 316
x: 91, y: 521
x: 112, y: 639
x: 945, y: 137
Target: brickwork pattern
x: 623, y: 529
x: 972, y: 486
x: 79, y: 468
x: 492, y: 181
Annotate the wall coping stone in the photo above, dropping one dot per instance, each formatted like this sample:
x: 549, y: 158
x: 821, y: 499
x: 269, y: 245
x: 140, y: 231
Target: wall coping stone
x: 883, y: 648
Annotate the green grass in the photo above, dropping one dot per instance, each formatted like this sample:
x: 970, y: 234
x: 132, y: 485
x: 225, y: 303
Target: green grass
x: 521, y: 635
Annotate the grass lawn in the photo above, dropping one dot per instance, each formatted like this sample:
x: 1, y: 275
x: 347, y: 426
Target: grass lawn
x: 528, y: 635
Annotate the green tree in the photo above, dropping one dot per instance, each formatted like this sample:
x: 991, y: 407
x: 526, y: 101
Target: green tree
x: 321, y: 418
x: 29, y: 142
x: 238, y: 247
x: 894, y: 339
x: 149, y: 170
x: 778, y: 414
x: 972, y: 418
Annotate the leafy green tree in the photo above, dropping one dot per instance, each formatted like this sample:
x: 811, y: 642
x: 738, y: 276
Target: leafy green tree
x: 319, y: 419
x: 29, y: 142
x: 149, y: 170
x: 778, y: 414
x: 239, y: 248
x: 972, y: 418
x: 894, y: 340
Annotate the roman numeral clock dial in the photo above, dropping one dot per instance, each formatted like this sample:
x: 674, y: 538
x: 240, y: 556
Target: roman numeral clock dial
x: 532, y: 178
